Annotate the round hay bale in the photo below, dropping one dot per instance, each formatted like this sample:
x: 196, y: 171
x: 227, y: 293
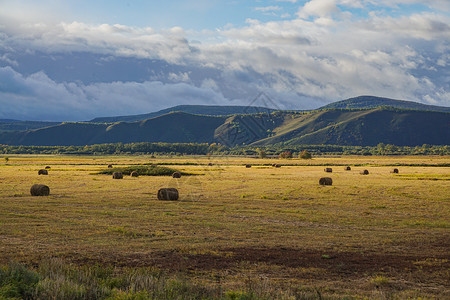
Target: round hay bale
x: 364, y: 172
x: 176, y: 175
x: 168, y: 194
x: 134, y: 174
x: 117, y: 175
x: 47, y: 167
x: 110, y: 166
x: 328, y: 170
x: 394, y: 171
x: 347, y: 168
x: 248, y: 166
x: 277, y: 166
x: 39, y: 190
x: 42, y: 172
x: 326, y: 181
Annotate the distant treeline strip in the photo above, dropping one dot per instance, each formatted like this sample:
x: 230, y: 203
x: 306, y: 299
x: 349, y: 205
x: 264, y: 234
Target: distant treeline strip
x: 218, y: 149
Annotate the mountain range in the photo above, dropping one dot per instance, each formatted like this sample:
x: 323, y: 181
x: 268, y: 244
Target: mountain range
x: 360, y: 121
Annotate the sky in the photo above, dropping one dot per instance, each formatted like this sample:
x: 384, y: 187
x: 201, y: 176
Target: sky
x: 75, y: 60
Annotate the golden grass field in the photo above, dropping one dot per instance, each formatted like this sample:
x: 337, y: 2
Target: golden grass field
x: 380, y: 235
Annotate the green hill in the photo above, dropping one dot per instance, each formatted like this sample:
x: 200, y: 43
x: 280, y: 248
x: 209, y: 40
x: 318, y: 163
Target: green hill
x: 365, y: 128
x: 174, y: 127
x: 353, y: 127
x: 373, y: 102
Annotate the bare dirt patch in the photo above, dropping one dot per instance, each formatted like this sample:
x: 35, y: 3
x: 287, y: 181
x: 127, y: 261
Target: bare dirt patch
x: 335, y: 265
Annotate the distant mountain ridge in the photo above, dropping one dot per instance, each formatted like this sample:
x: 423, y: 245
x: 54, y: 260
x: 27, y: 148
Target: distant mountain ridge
x: 17, y: 125
x: 366, y: 127
x: 351, y: 126
x: 207, y: 110
x: 373, y: 102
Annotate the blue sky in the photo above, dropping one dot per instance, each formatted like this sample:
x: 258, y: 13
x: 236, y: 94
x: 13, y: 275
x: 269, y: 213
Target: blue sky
x: 194, y: 14
x: 79, y: 59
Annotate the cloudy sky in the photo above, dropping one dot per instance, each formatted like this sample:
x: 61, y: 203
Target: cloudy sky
x: 80, y: 59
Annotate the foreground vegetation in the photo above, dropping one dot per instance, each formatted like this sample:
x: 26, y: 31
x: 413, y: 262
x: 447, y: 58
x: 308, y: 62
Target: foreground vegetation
x: 236, y: 233
x: 55, y: 279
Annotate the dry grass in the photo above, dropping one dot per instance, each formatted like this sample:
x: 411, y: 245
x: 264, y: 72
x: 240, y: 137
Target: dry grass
x: 365, y: 235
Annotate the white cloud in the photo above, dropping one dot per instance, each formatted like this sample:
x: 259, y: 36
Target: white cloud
x: 268, y: 8
x: 179, y: 77
x: 37, y: 97
x: 301, y: 63
x: 425, y: 26
x: 318, y: 8
x: 442, y: 5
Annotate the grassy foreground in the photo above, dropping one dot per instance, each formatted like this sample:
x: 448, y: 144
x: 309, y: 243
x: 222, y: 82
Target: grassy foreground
x: 236, y: 233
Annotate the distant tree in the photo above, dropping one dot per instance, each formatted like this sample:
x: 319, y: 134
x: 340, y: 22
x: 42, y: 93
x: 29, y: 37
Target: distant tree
x: 262, y: 154
x: 286, y: 154
x: 6, y: 159
x: 305, y: 155
x: 381, y: 148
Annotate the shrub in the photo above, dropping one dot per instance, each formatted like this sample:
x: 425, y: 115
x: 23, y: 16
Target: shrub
x: 286, y: 154
x: 142, y: 170
x: 262, y: 154
x: 305, y: 155
x: 16, y: 281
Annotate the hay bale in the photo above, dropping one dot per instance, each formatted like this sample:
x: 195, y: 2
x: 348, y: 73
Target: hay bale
x: 110, y: 166
x: 277, y: 166
x: 134, y: 174
x: 117, y: 175
x: 39, y: 190
x: 176, y: 175
x: 364, y: 172
x: 168, y: 194
x: 42, y: 172
x: 326, y: 181
x: 394, y: 171
x: 328, y: 170
x: 347, y: 169
x: 47, y: 167
x: 248, y: 166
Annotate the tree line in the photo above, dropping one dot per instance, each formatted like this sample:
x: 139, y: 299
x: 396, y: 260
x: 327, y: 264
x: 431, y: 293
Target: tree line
x: 218, y: 149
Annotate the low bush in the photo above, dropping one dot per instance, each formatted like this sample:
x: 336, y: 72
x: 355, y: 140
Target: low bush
x: 142, y: 170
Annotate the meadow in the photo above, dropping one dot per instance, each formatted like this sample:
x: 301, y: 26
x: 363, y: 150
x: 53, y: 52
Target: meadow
x: 236, y: 232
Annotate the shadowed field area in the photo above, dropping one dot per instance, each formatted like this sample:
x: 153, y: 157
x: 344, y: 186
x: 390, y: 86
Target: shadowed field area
x: 273, y: 229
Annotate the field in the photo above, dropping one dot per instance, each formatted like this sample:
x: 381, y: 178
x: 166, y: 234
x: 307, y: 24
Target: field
x: 238, y: 232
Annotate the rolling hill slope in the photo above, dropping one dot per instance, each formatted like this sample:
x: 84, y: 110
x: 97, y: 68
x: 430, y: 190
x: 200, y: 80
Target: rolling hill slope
x: 363, y: 127
x: 174, y: 127
x: 366, y: 128
x: 207, y: 110
x: 373, y: 102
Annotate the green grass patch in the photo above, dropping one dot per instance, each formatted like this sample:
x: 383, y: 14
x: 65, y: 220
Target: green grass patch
x: 143, y: 170
x: 427, y: 224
